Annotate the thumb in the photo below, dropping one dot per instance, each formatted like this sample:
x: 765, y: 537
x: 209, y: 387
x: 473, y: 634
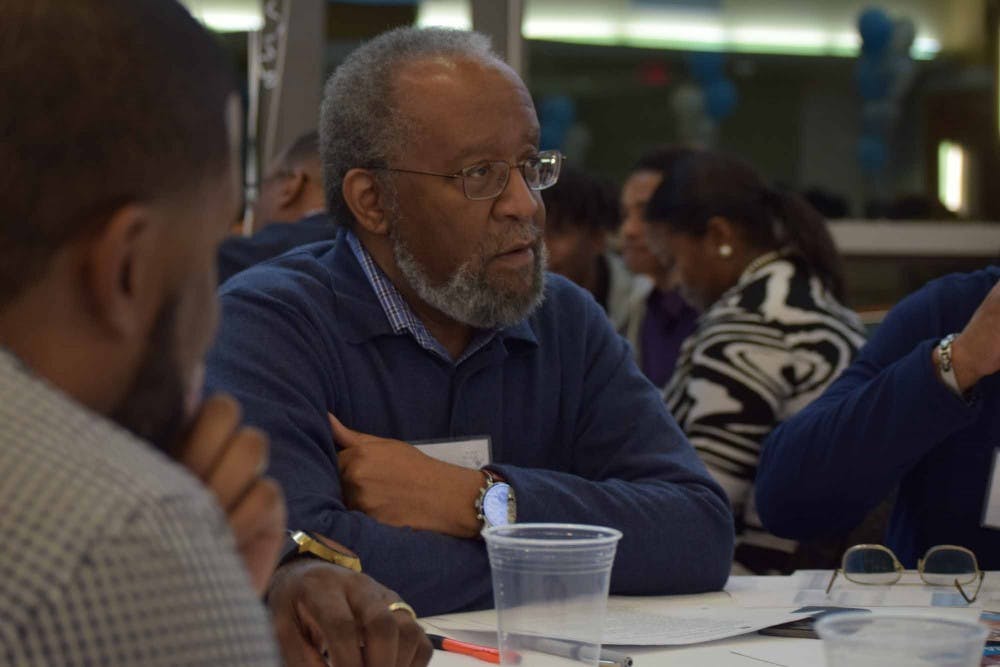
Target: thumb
x: 342, y: 435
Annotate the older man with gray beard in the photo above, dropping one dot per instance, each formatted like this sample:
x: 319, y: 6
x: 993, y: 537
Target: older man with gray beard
x: 430, y: 319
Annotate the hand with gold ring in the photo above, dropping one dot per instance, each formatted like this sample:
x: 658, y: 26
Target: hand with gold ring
x: 321, y: 609
x: 399, y: 605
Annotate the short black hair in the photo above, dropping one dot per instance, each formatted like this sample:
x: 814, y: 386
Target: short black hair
x: 580, y: 199
x: 106, y: 102
x: 305, y: 148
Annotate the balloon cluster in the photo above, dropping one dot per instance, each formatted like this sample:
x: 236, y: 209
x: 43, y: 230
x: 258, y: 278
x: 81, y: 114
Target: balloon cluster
x: 700, y: 106
x: 883, y: 74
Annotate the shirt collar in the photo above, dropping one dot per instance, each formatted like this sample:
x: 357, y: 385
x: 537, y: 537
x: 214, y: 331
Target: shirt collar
x: 402, y: 318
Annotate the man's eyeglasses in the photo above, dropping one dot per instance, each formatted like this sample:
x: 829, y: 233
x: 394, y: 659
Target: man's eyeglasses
x: 487, y: 180
x: 943, y: 565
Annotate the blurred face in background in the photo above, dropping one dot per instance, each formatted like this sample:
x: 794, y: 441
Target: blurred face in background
x: 702, y: 274
x: 635, y: 244
x: 574, y: 250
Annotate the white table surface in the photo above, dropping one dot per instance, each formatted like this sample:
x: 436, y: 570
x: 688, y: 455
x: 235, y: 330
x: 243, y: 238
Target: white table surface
x: 776, y: 651
x: 714, y: 654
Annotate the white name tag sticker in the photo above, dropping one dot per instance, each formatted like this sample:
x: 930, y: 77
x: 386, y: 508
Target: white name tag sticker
x: 474, y: 452
x: 991, y: 512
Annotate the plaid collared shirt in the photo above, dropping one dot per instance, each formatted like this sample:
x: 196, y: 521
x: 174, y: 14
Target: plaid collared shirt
x: 110, y: 553
x: 401, y: 317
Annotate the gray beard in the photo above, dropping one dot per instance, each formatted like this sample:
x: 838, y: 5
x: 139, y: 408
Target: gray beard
x: 467, y: 296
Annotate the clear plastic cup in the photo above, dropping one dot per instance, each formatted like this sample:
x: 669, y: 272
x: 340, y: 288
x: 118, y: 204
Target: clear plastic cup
x: 859, y: 639
x: 550, y: 585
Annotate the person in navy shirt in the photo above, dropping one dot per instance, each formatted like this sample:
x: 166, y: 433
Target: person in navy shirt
x: 430, y: 317
x: 916, y: 409
x: 290, y: 210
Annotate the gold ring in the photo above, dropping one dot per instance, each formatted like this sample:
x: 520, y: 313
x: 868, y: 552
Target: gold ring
x: 402, y: 606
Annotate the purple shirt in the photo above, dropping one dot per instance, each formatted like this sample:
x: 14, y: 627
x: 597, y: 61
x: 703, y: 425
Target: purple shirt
x: 669, y: 320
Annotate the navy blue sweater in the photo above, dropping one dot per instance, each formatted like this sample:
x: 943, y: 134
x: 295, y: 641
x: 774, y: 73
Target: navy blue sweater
x: 576, y: 429
x: 241, y: 252
x: 889, y: 420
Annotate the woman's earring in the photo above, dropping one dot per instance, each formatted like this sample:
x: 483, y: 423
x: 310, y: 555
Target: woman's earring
x: 725, y: 251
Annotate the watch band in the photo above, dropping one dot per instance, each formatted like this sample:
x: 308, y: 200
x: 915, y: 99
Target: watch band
x: 301, y: 544
x: 490, y: 479
x: 945, y: 364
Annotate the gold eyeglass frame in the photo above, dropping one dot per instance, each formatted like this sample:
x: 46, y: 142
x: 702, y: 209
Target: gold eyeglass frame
x: 899, y: 569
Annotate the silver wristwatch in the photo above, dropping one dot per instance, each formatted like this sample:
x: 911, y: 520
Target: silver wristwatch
x: 496, y: 505
x: 945, y: 364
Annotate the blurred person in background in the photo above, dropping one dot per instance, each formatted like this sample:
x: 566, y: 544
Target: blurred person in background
x: 581, y: 211
x: 774, y: 333
x: 660, y: 319
x: 292, y: 188
x: 290, y: 210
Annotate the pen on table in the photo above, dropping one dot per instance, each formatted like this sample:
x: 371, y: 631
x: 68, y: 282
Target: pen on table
x: 484, y: 653
x: 613, y: 659
x: 576, y: 651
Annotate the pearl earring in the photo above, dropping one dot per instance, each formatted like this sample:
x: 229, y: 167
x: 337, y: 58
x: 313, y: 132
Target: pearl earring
x: 725, y: 250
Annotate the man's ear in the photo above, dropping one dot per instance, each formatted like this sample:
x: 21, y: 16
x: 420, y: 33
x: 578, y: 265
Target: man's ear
x: 363, y: 196
x: 120, y: 274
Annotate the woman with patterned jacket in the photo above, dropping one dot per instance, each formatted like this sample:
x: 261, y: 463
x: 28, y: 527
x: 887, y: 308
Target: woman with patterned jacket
x: 773, y: 334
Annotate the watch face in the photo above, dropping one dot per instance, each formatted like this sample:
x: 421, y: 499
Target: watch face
x: 495, y: 504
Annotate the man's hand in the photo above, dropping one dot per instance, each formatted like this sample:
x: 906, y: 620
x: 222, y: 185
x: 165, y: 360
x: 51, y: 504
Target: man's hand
x: 397, y: 484
x: 324, y: 609
x: 230, y: 460
x: 975, y: 354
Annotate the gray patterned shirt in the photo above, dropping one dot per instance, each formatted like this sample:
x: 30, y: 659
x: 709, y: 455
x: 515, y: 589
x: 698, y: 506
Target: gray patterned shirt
x: 110, y: 553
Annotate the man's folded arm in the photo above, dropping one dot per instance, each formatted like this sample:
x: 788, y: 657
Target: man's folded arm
x: 677, y: 532
x: 433, y: 572
x: 633, y: 469
x: 286, y: 392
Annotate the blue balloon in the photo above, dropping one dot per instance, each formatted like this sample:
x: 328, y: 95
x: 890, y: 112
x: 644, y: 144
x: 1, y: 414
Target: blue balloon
x: 553, y: 135
x: 721, y: 99
x: 557, y: 109
x: 873, y: 78
x: 876, y: 30
x: 707, y: 67
x: 556, y: 114
x: 873, y: 154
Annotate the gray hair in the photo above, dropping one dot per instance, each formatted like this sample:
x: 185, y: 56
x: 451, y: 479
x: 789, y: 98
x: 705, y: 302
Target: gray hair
x: 360, y: 123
